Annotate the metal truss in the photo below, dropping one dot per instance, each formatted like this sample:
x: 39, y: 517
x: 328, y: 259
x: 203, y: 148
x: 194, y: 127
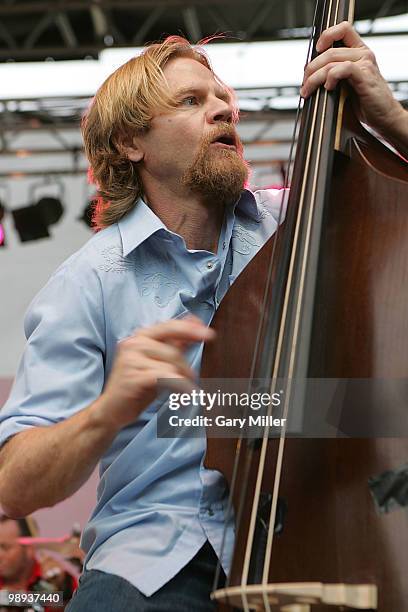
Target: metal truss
x: 72, y: 29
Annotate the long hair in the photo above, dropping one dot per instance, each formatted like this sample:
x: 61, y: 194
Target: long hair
x: 122, y: 108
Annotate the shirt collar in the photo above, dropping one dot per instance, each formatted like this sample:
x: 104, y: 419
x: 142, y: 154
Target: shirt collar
x: 141, y: 222
x: 247, y: 204
x: 138, y: 225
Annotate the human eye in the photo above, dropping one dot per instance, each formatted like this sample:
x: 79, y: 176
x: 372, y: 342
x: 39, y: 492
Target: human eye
x: 190, y: 101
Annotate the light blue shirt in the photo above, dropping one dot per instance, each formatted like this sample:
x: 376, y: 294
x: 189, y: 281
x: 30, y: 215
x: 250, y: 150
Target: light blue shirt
x: 156, y: 503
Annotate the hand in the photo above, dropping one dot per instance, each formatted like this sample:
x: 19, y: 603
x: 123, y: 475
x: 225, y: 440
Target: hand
x: 151, y: 354
x: 355, y: 62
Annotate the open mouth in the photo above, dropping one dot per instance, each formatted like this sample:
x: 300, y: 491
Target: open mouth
x: 225, y: 141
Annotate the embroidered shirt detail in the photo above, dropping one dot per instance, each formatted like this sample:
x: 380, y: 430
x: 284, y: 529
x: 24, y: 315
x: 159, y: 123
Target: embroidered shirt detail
x: 243, y: 241
x: 263, y: 212
x: 114, y: 260
x: 163, y: 288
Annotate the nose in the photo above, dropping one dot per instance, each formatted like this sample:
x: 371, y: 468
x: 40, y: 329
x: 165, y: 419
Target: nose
x: 220, y: 111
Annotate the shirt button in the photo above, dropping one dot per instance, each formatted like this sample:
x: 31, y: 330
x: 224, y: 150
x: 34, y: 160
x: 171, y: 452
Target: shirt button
x: 224, y: 244
x: 210, y: 265
x: 210, y: 512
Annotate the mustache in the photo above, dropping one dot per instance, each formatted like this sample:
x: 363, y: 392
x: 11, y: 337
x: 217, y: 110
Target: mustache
x: 223, y: 130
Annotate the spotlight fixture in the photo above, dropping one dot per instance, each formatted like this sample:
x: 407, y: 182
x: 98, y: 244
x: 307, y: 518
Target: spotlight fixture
x: 32, y: 221
x: 50, y: 209
x: 29, y: 223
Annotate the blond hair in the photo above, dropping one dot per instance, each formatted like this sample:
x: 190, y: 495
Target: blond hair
x: 121, y: 109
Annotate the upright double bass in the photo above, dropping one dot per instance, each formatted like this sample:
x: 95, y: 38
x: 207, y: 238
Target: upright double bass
x: 321, y: 512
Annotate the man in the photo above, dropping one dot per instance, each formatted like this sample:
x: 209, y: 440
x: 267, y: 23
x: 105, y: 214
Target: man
x: 178, y: 228
x: 22, y: 570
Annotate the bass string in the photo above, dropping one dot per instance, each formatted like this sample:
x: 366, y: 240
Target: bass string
x: 283, y: 206
x: 261, y: 467
x: 255, y: 505
x: 299, y: 303
x: 239, y: 446
x: 241, y: 441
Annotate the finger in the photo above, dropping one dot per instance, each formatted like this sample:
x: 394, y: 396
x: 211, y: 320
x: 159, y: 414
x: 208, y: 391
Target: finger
x: 343, y: 31
x: 177, y: 367
x: 330, y: 75
x: 317, y: 79
x: 149, y: 331
x: 181, y: 330
x: 181, y: 344
x: 192, y: 318
x: 331, y: 56
x: 159, y: 350
x: 340, y: 72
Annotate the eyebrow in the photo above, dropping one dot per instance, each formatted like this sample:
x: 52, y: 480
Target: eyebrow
x: 221, y: 93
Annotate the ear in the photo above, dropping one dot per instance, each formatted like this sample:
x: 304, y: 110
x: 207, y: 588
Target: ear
x: 131, y: 149
x: 134, y: 152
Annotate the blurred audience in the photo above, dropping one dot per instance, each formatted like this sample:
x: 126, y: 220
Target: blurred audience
x: 22, y: 568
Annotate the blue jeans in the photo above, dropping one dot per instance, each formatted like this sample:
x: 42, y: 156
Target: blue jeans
x: 188, y: 591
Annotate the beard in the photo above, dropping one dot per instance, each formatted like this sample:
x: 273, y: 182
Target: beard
x: 217, y: 174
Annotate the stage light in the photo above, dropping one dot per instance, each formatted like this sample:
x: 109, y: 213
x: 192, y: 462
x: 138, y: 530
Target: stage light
x: 32, y: 222
x: 29, y: 224
x: 50, y: 209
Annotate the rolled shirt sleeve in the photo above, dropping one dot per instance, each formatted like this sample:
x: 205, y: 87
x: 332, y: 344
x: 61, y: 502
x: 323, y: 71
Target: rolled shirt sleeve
x: 62, y: 368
